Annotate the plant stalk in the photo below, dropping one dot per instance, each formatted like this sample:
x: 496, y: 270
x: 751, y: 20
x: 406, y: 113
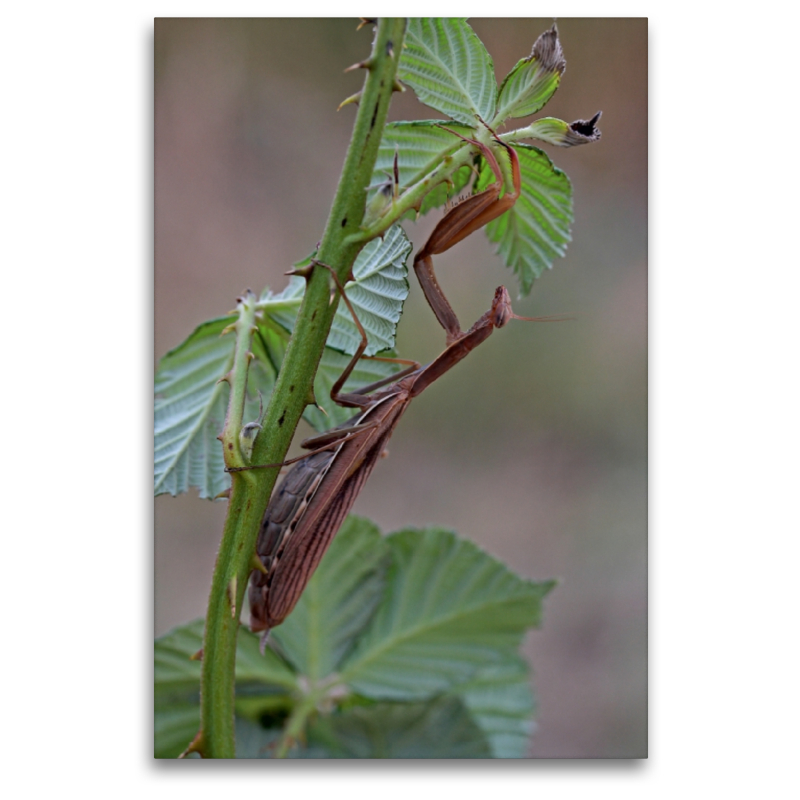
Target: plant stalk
x: 250, y: 490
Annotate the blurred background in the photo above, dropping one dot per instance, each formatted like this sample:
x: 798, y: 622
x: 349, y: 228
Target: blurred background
x: 535, y: 447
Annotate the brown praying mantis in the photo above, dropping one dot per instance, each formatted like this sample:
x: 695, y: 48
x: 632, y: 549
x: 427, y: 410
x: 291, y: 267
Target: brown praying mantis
x: 319, y: 491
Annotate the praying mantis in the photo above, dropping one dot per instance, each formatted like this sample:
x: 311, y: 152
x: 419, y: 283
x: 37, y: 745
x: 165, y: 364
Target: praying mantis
x: 318, y: 492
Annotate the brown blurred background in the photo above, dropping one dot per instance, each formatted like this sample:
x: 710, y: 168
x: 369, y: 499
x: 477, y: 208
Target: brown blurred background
x: 536, y: 446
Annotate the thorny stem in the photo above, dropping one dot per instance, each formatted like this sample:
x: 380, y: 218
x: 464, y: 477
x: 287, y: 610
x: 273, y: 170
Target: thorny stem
x: 237, y: 378
x: 250, y: 490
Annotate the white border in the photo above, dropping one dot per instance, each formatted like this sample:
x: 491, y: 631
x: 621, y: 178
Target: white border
x: 77, y: 261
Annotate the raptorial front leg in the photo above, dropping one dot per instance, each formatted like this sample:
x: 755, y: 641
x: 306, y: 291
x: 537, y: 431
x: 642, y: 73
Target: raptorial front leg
x: 468, y: 216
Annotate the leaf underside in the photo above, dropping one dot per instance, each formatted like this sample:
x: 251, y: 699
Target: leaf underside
x: 190, y: 409
x: 377, y: 294
x: 191, y: 402
x: 536, y: 230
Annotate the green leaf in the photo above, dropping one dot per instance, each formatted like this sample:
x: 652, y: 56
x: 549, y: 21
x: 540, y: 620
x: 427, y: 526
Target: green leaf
x: 449, y: 609
x: 191, y: 402
x: 177, y: 682
x: 174, y: 669
x: 439, y: 729
x: 446, y: 619
x: 449, y: 69
x: 377, y: 294
x: 268, y: 669
x: 338, y: 601
x: 500, y: 700
x: 177, y: 689
x: 420, y: 147
x: 253, y: 740
x: 190, y: 409
x: 175, y: 725
x: 536, y: 230
x: 533, y: 81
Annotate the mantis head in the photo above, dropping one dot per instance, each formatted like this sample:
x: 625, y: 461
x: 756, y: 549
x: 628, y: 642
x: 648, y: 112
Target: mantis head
x: 502, y: 312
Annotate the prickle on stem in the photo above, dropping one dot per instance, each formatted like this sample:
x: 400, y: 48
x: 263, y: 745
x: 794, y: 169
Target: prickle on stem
x: 354, y: 98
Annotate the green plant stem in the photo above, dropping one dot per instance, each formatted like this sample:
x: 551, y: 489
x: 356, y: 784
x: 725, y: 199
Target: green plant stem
x: 413, y: 196
x: 237, y: 379
x: 450, y: 161
x: 296, y: 724
x: 250, y: 490
x: 314, y: 697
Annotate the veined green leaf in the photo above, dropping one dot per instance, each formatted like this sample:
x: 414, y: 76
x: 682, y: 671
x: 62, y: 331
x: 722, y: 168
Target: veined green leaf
x: 446, y: 629
x: 449, y: 609
x: 500, y: 700
x: 338, y: 601
x: 190, y: 409
x: 377, y: 294
x: 175, y: 671
x: 191, y: 403
x: 177, y: 682
x: 267, y: 669
x: 177, y: 689
x: 449, y: 69
x: 533, y: 81
x: 536, y: 230
x: 175, y: 725
x: 254, y: 741
x: 441, y: 728
x: 420, y: 147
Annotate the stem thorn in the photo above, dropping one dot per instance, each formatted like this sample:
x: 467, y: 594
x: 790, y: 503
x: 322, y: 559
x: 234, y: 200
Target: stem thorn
x: 258, y: 564
x: 354, y: 98
x: 303, y: 272
x: 367, y: 64
x: 195, y: 746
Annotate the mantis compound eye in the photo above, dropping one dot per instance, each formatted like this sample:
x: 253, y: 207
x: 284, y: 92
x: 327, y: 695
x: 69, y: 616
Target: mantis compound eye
x: 501, y: 307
